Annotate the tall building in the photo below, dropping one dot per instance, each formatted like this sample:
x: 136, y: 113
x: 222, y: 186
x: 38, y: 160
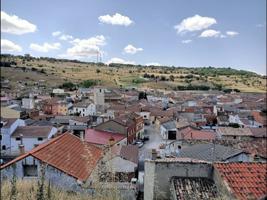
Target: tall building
x: 99, y: 96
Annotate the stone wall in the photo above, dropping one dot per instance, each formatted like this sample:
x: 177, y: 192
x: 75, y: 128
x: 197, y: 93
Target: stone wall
x: 158, y: 174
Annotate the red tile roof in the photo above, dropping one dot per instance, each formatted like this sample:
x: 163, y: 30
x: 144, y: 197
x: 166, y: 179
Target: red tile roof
x: 246, y: 180
x: 191, y: 134
x: 67, y: 153
x: 102, y: 137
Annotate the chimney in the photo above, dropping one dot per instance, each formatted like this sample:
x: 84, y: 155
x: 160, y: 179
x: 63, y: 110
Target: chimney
x: 21, y: 149
x: 111, y: 141
x: 154, y: 154
x: 21, y: 145
x: 82, y: 136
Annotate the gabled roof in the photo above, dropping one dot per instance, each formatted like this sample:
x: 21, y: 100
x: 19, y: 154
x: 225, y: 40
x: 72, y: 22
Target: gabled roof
x: 259, y: 132
x: 209, y: 152
x: 229, y: 131
x: 169, y: 125
x: 8, y: 122
x: 130, y: 152
x: 32, y: 131
x: 68, y: 154
x: 245, y: 180
x: 102, y: 137
x: 192, y: 134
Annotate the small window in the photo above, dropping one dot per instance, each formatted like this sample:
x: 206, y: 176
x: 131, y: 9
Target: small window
x: 83, y: 110
x: 30, y: 170
x: 39, y: 139
x: 100, y: 90
x: 4, y: 147
x: 234, y: 137
x: 0, y: 137
x: 36, y: 145
x: 18, y: 138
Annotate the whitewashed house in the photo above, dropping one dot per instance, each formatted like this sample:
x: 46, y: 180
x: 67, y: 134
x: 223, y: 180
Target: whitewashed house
x: 28, y: 103
x: 8, y: 126
x: 84, y: 109
x: 168, y: 130
x: 30, y: 137
x: 58, y: 91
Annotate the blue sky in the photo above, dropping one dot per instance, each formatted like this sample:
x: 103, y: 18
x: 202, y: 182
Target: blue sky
x: 188, y: 33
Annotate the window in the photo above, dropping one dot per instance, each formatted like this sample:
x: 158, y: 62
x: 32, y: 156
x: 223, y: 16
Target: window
x: 0, y: 137
x: 83, y: 110
x: 36, y: 145
x: 4, y: 147
x: 234, y: 137
x: 17, y: 138
x: 30, y: 170
x: 39, y: 139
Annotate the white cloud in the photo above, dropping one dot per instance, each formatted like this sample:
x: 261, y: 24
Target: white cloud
x: 7, y: 45
x: 14, y: 25
x: 153, y: 64
x: 260, y: 25
x: 120, y: 61
x: 85, y: 47
x: 116, y: 19
x: 66, y: 37
x: 56, y: 33
x: 195, y: 23
x: 45, y: 47
x: 232, y: 33
x: 210, y: 33
x: 186, y: 41
x: 130, y: 49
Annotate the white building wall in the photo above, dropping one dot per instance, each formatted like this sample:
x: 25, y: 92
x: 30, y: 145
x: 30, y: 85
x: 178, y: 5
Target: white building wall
x: 158, y: 175
x: 90, y: 110
x: 163, y: 132
x: 7, y: 132
x: 28, y: 103
x: 30, y: 143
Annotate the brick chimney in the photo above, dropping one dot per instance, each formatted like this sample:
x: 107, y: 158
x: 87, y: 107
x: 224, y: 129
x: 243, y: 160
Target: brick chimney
x: 111, y: 141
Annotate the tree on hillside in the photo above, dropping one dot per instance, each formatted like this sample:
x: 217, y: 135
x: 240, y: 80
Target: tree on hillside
x: 142, y: 95
x: 171, y: 78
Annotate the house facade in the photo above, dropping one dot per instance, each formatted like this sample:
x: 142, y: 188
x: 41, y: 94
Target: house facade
x: 9, y: 125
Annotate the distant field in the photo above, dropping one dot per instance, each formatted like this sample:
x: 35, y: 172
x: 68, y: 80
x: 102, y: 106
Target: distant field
x: 57, y: 72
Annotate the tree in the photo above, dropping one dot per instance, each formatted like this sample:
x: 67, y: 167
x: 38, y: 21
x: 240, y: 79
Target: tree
x: 171, y: 78
x: 40, y: 184
x: 14, y: 192
x: 142, y: 95
x: 49, y: 193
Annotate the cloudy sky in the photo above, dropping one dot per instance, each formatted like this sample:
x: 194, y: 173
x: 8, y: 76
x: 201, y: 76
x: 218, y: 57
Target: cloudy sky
x: 188, y: 33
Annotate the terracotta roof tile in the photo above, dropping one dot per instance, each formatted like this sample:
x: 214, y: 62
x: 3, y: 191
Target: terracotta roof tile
x: 102, y: 137
x: 67, y: 153
x: 245, y: 179
x: 191, y: 134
